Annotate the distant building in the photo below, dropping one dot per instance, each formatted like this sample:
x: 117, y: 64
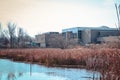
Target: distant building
x: 86, y: 35
x: 76, y: 36
x: 43, y: 40
x: 109, y: 39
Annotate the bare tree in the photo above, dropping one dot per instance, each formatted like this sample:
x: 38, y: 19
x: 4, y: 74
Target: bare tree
x: 117, y: 6
x: 1, y: 31
x: 118, y: 16
x: 27, y: 40
x: 3, y: 38
x: 24, y: 39
x: 0, y: 35
x: 11, y: 30
x: 20, y: 37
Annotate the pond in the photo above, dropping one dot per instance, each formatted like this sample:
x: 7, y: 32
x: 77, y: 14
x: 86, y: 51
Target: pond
x: 10, y: 70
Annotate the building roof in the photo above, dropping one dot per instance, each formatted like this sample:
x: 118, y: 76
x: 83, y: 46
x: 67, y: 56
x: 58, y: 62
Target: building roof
x: 51, y: 33
x: 75, y: 29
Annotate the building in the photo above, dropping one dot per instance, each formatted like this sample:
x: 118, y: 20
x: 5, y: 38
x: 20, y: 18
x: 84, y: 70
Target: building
x: 76, y: 36
x: 43, y: 40
x: 86, y: 35
x: 109, y: 39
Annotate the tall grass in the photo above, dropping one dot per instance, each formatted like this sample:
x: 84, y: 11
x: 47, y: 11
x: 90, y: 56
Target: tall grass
x: 47, y: 56
x: 104, y: 60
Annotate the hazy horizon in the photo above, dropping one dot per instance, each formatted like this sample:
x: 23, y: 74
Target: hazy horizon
x: 39, y: 16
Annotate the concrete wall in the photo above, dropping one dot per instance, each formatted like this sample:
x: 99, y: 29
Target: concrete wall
x: 43, y: 45
x: 94, y: 35
x: 105, y: 33
x: 86, y: 36
x: 81, y: 35
x: 109, y: 39
x: 44, y: 40
x: 40, y: 39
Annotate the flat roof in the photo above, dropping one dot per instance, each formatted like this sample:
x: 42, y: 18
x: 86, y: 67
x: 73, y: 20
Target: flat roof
x: 74, y: 29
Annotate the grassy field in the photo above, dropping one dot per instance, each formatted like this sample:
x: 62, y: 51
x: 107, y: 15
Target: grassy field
x: 104, y: 60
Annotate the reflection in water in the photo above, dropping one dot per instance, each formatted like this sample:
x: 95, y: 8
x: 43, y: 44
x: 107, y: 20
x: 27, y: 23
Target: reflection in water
x: 11, y: 76
x: 20, y: 74
x: 30, y: 69
x: 0, y: 75
x: 20, y: 71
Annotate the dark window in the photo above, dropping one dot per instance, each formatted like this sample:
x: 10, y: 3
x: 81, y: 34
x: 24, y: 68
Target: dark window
x: 79, y: 34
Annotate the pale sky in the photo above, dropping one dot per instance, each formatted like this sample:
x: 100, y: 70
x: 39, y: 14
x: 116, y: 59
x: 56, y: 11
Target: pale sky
x: 39, y: 16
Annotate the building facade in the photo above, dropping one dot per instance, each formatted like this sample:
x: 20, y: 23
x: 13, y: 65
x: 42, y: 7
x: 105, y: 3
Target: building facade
x: 43, y: 40
x: 86, y: 35
x: 75, y: 36
x: 109, y: 39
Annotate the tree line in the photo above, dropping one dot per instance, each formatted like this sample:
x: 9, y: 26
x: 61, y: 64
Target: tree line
x: 13, y: 37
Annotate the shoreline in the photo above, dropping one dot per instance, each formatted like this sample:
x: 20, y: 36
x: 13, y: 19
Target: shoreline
x: 103, y: 60
x: 59, y: 66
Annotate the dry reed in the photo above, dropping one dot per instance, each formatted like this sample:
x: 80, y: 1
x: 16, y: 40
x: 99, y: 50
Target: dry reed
x: 104, y: 60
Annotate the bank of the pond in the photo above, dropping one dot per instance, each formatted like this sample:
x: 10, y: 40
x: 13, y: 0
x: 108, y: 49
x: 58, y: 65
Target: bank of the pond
x: 48, y: 57
x: 52, y: 65
x: 104, y: 60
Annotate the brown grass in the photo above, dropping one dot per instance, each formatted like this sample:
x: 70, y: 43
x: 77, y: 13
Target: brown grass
x: 104, y: 60
x: 47, y: 56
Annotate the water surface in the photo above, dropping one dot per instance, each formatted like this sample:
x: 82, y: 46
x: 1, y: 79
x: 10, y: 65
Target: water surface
x: 10, y: 70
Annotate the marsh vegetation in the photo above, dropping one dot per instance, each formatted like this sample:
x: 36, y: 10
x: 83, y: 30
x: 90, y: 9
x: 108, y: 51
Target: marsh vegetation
x: 104, y: 60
